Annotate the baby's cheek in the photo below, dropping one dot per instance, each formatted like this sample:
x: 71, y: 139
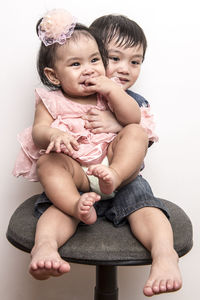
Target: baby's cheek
x: 109, y: 72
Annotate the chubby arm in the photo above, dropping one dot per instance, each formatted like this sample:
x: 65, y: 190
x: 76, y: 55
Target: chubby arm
x: 126, y: 110
x: 49, y: 138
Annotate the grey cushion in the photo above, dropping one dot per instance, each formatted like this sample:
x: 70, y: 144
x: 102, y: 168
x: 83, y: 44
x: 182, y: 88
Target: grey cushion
x: 100, y: 243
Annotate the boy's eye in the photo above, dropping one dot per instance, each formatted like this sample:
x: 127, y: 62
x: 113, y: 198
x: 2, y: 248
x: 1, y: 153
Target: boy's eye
x: 134, y: 62
x: 114, y: 58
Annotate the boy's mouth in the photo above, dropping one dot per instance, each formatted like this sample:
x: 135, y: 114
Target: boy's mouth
x: 123, y: 80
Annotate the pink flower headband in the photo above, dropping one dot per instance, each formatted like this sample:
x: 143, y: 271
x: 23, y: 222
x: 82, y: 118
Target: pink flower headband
x: 56, y: 26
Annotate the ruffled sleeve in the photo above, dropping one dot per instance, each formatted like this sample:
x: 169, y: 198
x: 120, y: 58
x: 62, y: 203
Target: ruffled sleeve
x: 148, y: 123
x: 49, y: 99
x: 25, y: 164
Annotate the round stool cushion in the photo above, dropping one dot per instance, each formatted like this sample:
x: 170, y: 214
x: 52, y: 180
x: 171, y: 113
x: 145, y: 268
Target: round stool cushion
x: 100, y: 243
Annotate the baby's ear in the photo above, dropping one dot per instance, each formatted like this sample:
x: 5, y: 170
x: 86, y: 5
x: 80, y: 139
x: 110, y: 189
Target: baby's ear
x: 51, y: 76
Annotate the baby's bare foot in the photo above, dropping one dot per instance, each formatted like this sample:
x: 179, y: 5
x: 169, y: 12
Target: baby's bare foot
x: 46, y: 262
x: 108, y: 178
x: 164, y: 277
x: 85, y: 210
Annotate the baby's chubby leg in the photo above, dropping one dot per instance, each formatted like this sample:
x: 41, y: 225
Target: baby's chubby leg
x: 62, y: 177
x: 125, y: 154
x: 54, y: 228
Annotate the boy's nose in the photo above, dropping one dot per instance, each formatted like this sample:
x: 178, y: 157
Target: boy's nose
x: 123, y: 68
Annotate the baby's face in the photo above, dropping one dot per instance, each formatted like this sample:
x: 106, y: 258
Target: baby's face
x: 124, y: 63
x: 77, y: 61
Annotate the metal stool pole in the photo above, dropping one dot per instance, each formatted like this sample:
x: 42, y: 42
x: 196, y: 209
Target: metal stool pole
x: 106, y: 283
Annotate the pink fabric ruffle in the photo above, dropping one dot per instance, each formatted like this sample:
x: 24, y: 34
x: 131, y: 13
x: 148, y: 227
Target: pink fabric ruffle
x: 25, y: 164
x: 148, y: 123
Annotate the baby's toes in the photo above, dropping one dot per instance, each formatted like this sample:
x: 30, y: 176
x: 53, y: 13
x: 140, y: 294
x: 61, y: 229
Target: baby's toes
x: 86, y: 205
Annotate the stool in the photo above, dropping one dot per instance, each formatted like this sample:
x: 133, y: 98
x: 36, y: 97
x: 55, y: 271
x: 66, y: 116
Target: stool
x: 100, y: 244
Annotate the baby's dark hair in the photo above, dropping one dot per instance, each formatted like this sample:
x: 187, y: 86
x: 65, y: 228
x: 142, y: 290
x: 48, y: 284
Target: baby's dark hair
x: 46, y: 56
x: 127, y: 32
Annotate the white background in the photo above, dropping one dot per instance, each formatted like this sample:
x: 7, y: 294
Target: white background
x: 169, y: 80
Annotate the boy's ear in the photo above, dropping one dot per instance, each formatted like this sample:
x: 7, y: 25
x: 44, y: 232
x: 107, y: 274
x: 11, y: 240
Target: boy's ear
x: 51, y: 76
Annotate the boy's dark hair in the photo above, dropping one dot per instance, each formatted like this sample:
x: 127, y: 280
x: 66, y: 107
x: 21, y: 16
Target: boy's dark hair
x: 46, y: 56
x: 127, y: 32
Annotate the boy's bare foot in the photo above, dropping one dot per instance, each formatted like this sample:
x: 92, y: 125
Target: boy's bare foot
x: 164, y: 276
x: 46, y: 262
x: 86, y: 211
x: 109, y: 180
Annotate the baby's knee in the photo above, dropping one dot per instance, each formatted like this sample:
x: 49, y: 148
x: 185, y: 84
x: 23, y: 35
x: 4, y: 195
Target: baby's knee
x: 47, y: 162
x: 137, y: 132
x: 54, y: 163
x: 42, y: 164
x: 42, y: 160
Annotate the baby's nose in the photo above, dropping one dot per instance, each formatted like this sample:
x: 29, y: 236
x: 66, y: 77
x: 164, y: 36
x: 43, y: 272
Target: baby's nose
x: 88, y: 71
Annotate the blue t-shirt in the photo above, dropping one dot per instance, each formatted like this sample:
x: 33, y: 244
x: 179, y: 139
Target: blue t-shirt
x: 139, y: 99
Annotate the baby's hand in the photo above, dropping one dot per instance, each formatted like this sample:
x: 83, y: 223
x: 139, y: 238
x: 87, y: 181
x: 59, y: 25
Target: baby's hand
x: 100, y: 84
x: 62, y: 142
x: 101, y: 121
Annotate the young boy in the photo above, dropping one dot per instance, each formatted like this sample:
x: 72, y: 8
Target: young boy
x: 126, y: 45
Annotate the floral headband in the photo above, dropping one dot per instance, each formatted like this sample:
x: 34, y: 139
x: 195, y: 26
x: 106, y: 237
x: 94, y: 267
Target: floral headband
x: 56, y: 26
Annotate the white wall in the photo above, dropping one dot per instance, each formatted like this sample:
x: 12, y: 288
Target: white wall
x: 169, y: 80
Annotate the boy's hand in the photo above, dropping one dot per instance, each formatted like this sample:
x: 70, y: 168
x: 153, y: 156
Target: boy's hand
x: 101, y: 121
x: 101, y: 84
x: 62, y: 142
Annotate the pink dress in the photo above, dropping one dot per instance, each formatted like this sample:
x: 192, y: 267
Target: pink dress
x: 67, y: 117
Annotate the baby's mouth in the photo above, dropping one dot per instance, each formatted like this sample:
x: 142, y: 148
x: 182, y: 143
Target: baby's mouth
x: 85, y: 83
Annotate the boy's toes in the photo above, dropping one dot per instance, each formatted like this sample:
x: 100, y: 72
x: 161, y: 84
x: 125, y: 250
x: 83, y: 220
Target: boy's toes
x: 170, y: 285
x: 163, y: 286
x: 148, y: 291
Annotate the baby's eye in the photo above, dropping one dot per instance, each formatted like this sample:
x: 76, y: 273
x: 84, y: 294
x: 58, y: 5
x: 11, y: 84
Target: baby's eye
x: 95, y: 59
x: 75, y: 64
x: 114, y: 58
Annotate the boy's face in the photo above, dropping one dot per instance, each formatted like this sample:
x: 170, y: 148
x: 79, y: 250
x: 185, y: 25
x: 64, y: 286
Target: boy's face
x: 124, y: 63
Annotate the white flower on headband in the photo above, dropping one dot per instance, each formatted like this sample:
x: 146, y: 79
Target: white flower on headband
x: 56, y: 26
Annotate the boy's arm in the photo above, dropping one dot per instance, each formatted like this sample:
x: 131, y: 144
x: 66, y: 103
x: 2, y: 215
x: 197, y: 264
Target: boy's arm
x: 104, y: 121
x: 99, y: 121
